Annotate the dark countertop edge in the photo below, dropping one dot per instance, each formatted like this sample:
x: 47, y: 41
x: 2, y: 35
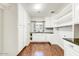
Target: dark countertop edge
x: 43, y: 32
x: 70, y: 41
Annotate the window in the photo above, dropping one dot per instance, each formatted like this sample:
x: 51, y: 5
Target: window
x: 37, y: 26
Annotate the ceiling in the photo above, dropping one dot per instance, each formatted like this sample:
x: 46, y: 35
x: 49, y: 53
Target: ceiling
x: 45, y: 10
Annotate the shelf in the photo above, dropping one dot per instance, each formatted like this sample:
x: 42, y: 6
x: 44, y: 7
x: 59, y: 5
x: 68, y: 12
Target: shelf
x: 64, y: 25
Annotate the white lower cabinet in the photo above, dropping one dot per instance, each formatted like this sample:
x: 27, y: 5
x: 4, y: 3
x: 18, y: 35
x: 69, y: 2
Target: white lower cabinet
x: 39, y: 37
x: 70, y: 49
x: 57, y: 39
x: 52, y: 38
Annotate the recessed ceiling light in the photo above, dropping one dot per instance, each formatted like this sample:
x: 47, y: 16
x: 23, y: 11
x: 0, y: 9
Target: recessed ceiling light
x: 38, y: 6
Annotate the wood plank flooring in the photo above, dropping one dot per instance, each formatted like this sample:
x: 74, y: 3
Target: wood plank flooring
x: 42, y: 49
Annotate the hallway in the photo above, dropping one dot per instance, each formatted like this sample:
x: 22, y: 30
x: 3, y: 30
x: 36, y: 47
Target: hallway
x: 41, y: 49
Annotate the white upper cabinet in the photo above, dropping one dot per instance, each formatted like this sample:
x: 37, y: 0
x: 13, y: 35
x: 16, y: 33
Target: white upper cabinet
x: 76, y: 13
x: 49, y: 22
x: 64, y: 11
x: 20, y: 15
x: 64, y: 18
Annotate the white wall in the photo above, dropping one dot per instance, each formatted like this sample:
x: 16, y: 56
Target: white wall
x: 1, y: 34
x: 10, y: 40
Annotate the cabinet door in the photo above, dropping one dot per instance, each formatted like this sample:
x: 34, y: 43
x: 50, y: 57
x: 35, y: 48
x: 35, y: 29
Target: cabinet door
x: 20, y: 15
x: 20, y: 37
x: 39, y: 37
x: 70, y: 49
x: 56, y: 39
x: 25, y: 35
x: 76, y: 13
x: 53, y: 39
x: 48, y: 23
